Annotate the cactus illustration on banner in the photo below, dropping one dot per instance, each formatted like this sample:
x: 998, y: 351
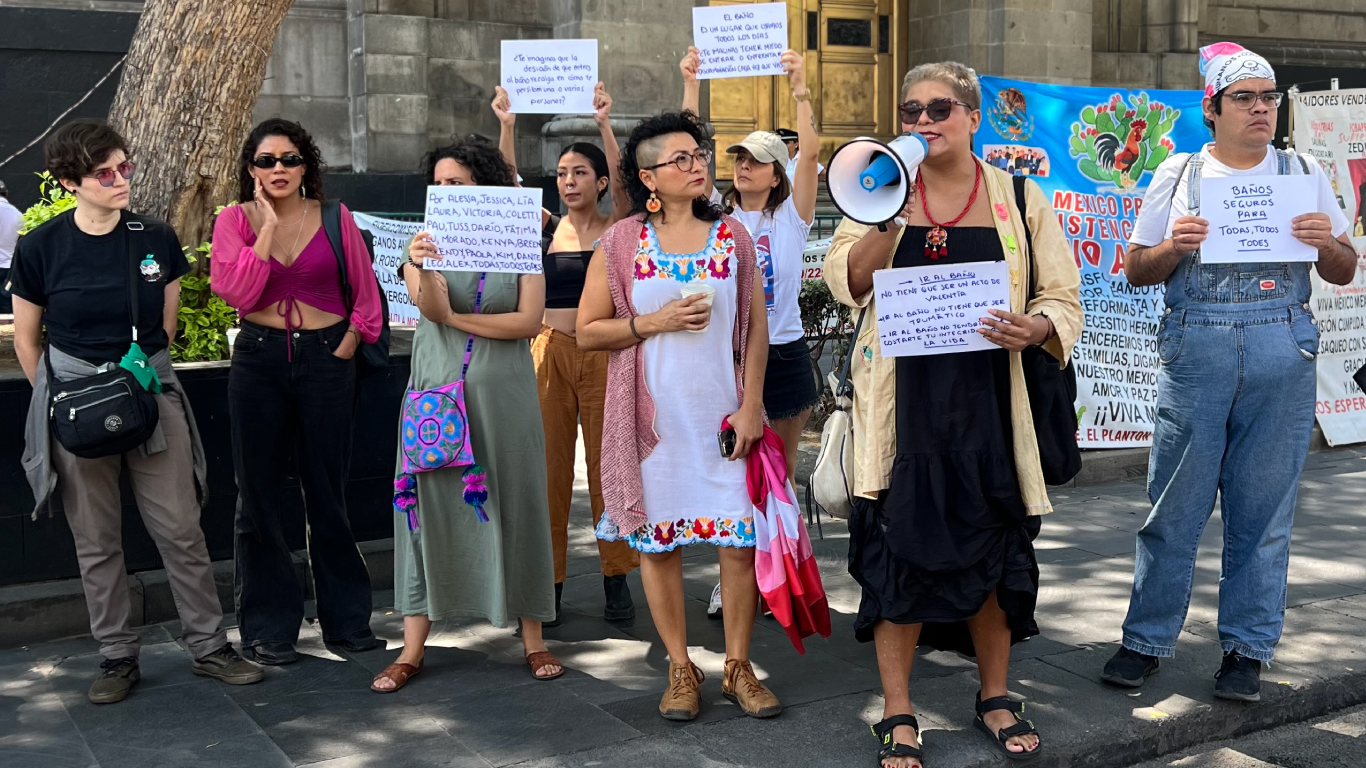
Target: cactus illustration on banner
x: 1119, y: 140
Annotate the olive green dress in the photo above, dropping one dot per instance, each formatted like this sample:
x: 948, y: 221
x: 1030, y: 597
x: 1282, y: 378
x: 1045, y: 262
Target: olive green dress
x: 453, y: 565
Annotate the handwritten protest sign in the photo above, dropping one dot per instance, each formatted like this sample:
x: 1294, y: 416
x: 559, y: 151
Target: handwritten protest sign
x: 485, y: 229
x: 936, y: 310
x: 1249, y: 218
x: 391, y: 249
x: 740, y: 40
x: 550, y: 79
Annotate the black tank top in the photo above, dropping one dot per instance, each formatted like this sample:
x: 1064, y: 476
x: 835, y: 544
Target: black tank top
x: 564, y: 277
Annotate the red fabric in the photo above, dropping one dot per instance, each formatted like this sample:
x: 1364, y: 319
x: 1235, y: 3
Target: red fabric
x: 240, y: 276
x: 789, y: 579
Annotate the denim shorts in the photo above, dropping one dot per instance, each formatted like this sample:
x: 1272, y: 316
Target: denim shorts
x: 789, y: 381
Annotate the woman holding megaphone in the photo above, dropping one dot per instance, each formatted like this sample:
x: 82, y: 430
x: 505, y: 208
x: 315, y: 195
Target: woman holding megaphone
x: 948, y: 482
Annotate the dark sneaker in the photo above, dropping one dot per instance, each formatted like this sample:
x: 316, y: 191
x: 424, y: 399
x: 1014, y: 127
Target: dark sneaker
x: 358, y: 643
x: 1129, y: 668
x: 224, y: 664
x: 272, y: 654
x: 115, y: 681
x: 1239, y: 678
x: 619, y: 606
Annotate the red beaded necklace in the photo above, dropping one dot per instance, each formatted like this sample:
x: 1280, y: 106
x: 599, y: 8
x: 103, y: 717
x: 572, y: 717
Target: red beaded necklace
x: 937, y: 241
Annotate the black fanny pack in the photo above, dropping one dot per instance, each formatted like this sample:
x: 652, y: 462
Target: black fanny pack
x: 109, y: 413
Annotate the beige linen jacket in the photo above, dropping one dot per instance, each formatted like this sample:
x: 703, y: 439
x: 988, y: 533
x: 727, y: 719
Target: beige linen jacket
x: 1056, y: 284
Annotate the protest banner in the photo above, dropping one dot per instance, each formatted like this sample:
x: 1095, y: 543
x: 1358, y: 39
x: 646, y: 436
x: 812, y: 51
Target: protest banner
x: 485, y: 229
x: 1249, y: 218
x: 740, y: 40
x: 391, y: 249
x: 813, y: 259
x: 1093, y: 151
x: 550, y: 79
x: 1331, y: 126
x: 937, y: 310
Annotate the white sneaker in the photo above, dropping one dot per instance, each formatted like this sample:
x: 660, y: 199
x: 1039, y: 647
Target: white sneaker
x: 714, y: 607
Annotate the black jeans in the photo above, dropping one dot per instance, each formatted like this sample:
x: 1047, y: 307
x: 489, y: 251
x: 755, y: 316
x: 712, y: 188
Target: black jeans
x: 302, y: 406
x: 6, y: 303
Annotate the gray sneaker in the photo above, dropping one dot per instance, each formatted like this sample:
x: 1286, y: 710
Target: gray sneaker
x: 115, y: 681
x: 224, y: 664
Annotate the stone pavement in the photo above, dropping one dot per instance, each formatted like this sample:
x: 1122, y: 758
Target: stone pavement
x: 475, y: 705
x: 1335, y: 741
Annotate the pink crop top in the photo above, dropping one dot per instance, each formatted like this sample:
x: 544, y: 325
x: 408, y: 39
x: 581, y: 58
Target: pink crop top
x: 249, y: 283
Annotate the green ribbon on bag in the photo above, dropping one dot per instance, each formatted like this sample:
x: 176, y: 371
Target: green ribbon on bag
x: 136, y: 362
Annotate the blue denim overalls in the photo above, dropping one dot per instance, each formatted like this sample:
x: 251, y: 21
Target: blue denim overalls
x: 1235, y: 411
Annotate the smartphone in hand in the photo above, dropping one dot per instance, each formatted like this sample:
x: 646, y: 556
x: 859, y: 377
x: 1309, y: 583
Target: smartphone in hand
x: 726, y: 440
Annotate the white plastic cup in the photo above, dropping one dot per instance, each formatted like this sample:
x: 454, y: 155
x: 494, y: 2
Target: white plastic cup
x: 232, y: 339
x: 706, y: 290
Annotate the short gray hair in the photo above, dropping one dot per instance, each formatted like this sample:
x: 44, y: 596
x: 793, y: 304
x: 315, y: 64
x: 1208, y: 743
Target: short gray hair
x: 960, y: 77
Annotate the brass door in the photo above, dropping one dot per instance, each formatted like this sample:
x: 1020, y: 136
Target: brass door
x: 855, y: 53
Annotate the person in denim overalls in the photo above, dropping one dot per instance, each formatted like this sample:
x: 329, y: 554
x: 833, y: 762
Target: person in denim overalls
x: 1236, y: 388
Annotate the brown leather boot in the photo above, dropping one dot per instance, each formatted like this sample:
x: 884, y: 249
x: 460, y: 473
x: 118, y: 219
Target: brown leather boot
x: 683, y: 699
x: 742, y: 687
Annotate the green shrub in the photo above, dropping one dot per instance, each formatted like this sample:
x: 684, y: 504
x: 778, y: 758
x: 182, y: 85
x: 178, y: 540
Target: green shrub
x: 204, y: 319
x: 53, y: 200
x: 824, y: 321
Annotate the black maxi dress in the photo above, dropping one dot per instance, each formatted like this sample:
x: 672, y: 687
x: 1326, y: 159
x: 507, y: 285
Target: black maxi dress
x: 953, y: 526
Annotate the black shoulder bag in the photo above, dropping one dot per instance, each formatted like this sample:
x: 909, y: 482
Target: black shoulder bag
x: 1052, y: 390
x: 371, y: 358
x: 110, y: 413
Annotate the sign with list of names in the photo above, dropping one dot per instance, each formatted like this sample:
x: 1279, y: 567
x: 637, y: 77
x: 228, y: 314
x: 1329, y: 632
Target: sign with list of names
x: 1249, y: 218
x: 740, y: 40
x: 485, y: 229
x: 937, y: 310
x: 550, y: 79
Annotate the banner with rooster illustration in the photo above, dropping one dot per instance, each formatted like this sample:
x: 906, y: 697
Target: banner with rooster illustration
x: 1331, y: 126
x: 1093, y: 151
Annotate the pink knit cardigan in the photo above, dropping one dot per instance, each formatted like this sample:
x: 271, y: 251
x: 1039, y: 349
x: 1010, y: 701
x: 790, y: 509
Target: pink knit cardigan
x: 630, y: 409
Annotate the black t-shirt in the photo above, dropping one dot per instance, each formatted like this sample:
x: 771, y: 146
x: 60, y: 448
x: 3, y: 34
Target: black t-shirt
x: 81, y: 281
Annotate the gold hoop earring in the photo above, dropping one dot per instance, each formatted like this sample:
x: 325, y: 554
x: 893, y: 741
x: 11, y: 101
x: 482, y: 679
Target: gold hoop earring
x: 653, y: 205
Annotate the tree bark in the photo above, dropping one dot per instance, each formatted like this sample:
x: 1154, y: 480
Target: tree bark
x: 185, y: 103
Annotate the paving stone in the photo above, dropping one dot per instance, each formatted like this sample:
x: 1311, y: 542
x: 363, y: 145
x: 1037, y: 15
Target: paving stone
x: 173, y: 717
x: 673, y: 750
x: 527, y: 722
x: 441, y: 752
x: 35, y: 729
x: 1220, y: 758
x: 255, y: 751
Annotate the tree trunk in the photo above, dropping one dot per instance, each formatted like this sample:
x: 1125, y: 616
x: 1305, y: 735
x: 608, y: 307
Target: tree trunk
x: 184, y: 105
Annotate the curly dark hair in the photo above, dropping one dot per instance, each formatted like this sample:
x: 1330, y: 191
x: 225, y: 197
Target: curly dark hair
x: 77, y: 148
x: 476, y: 153
x: 313, y: 159
x: 652, y: 128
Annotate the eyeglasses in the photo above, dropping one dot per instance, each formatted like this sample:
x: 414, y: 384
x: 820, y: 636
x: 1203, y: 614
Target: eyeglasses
x: 1245, y: 99
x: 267, y: 162
x: 938, y: 110
x: 106, y: 177
x: 685, y: 162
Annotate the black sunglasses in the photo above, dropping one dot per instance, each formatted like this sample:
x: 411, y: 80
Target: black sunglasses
x: 266, y: 162
x: 938, y: 110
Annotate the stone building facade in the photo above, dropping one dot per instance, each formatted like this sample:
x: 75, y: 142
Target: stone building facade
x: 381, y: 81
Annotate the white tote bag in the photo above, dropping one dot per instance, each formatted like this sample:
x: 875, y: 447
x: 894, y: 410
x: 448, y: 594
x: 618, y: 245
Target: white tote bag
x: 832, y: 481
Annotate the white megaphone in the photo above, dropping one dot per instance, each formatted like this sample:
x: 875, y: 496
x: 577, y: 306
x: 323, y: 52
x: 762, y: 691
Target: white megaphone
x: 870, y: 181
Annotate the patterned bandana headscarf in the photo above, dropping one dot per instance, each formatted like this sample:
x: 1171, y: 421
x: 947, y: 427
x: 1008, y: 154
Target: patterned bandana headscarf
x: 1224, y: 64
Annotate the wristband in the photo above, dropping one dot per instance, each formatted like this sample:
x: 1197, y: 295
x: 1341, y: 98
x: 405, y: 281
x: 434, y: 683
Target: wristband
x: 805, y: 95
x: 634, y: 332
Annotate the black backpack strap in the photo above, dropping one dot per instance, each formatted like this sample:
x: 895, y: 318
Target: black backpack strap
x: 1023, y: 208
x: 133, y: 230
x: 333, y: 227
x: 844, y: 389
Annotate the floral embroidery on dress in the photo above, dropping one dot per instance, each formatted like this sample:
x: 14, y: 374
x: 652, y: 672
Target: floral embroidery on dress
x: 669, y: 535
x: 712, y: 261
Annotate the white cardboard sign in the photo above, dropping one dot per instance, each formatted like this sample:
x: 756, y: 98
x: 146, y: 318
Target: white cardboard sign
x: 1249, y: 218
x: 485, y: 229
x: 550, y: 76
x: 937, y: 310
x: 740, y: 40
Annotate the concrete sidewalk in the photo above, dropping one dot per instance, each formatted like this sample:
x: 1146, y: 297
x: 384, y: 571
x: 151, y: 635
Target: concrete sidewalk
x: 476, y: 704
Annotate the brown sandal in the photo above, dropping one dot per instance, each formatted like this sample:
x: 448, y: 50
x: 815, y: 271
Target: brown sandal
x: 398, y: 673
x: 539, y: 660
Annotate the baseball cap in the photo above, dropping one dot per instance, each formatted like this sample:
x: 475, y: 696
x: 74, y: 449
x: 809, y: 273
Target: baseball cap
x: 764, y: 146
x: 3, y: 188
